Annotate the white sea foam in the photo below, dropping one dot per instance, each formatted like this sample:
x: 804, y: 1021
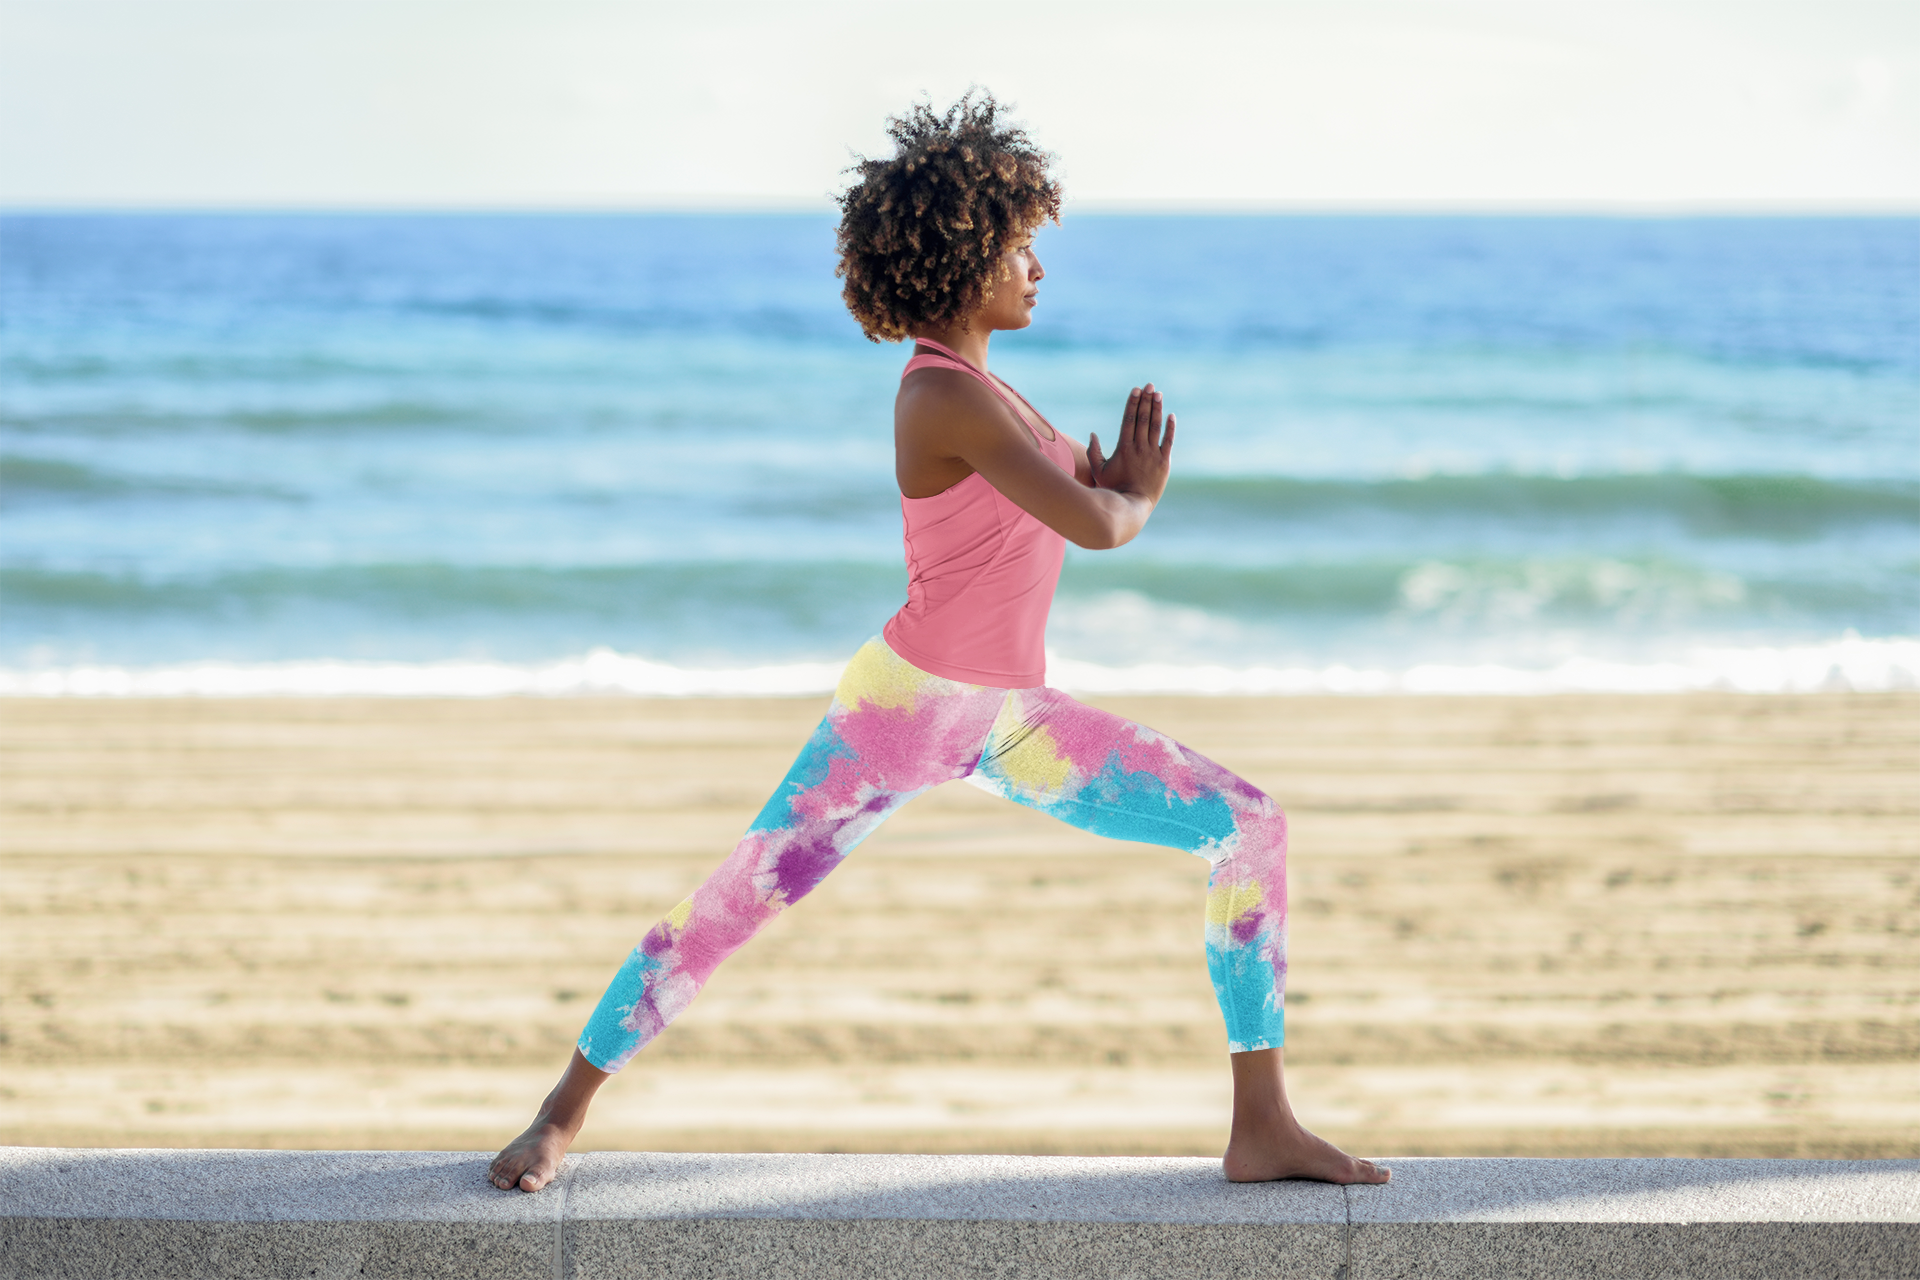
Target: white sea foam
x: 600, y: 672
x: 1848, y: 663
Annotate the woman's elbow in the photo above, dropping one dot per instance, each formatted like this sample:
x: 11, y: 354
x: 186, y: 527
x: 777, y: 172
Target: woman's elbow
x: 1103, y: 534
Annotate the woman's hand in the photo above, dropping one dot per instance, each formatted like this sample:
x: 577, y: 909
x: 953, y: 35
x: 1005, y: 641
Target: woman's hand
x: 1143, y: 455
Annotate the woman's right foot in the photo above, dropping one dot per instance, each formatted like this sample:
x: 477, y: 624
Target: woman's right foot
x: 531, y: 1160
x: 1291, y: 1152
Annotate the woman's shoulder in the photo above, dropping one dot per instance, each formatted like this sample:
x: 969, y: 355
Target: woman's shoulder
x: 943, y: 387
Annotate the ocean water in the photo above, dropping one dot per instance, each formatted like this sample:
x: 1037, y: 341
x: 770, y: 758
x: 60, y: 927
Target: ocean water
x: 523, y: 453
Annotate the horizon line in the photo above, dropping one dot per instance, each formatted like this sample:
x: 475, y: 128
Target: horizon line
x: 734, y: 206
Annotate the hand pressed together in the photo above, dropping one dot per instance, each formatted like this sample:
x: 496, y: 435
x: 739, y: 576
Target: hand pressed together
x: 1143, y: 453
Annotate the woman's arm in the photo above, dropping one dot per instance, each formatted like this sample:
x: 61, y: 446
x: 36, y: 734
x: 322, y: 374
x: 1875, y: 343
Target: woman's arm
x: 947, y: 425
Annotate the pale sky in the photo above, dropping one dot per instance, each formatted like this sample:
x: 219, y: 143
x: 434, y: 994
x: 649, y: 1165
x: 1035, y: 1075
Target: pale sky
x: 1354, y: 104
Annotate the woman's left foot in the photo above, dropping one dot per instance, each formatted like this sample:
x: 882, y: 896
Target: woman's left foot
x: 531, y: 1160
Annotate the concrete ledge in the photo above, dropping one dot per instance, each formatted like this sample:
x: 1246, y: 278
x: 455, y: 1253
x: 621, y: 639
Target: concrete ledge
x: 99, y: 1214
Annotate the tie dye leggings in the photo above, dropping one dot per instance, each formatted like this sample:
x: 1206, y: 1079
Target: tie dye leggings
x: 894, y: 731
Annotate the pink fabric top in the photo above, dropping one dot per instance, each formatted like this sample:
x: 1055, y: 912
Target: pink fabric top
x: 980, y: 571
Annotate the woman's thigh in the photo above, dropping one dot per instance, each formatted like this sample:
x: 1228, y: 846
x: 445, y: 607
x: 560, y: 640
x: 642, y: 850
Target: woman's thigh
x: 891, y: 732
x: 1109, y: 775
x: 1105, y: 774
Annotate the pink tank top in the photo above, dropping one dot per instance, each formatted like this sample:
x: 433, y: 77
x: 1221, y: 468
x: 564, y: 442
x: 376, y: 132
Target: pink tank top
x: 980, y: 571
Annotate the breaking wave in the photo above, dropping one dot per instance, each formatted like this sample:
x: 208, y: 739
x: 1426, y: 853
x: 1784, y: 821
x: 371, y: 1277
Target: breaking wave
x: 1848, y: 664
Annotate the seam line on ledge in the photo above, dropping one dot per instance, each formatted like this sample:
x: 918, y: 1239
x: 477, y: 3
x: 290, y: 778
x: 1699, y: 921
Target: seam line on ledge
x: 565, y: 1179
x: 1346, y: 1235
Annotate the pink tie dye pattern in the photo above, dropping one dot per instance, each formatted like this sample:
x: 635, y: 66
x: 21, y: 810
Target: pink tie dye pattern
x: 892, y: 732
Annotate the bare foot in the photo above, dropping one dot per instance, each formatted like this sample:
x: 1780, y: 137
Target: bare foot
x: 1263, y: 1157
x: 1268, y: 1143
x: 532, y: 1160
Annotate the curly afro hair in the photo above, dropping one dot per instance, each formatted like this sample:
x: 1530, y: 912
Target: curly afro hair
x: 921, y: 234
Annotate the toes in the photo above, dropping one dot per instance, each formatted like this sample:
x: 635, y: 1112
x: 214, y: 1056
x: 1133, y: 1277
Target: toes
x: 501, y: 1173
x: 1371, y: 1172
x: 530, y: 1181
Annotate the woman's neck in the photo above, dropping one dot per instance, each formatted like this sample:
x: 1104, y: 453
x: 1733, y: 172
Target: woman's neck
x: 969, y: 344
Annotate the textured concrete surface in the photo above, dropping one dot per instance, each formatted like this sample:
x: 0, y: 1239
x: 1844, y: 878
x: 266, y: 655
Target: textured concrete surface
x: 899, y: 1216
x: 1738, y: 1219
x: 103, y: 1213
x: 1518, y: 1190
x: 1183, y: 1190
x: 94, y: 1214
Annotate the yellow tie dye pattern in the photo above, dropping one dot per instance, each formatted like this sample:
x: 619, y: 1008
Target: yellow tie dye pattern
x: 1228, y: 902
x: 881, y: 678
x: 1025, y: 756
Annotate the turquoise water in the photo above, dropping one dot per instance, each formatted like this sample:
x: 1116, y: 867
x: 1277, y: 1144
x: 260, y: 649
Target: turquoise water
x: 1512, y: 443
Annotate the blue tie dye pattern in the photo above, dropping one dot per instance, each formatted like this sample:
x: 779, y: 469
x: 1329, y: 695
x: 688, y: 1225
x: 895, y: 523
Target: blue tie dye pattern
x: 809, y: 770
x: 606, y: 1026
x: 1250, y: 1002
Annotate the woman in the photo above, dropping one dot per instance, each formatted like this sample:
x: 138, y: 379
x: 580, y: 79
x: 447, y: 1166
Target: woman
x: 936, y: 246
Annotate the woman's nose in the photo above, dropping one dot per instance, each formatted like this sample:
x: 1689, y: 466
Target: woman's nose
x: 1038, y: 273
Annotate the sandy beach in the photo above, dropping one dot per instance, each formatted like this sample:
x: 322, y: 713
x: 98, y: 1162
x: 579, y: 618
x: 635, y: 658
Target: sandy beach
x: 1569, y: 926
